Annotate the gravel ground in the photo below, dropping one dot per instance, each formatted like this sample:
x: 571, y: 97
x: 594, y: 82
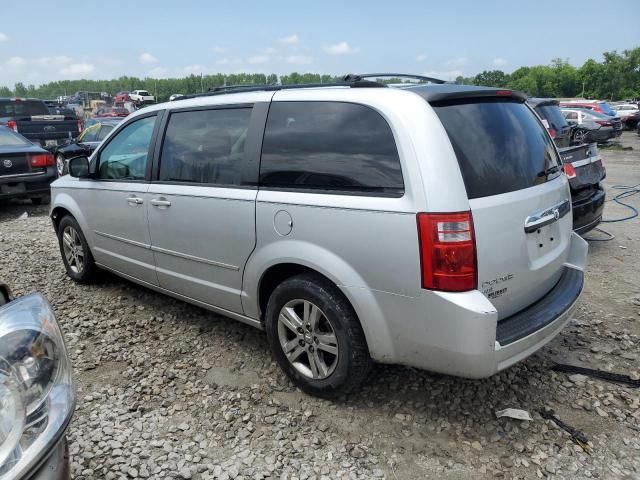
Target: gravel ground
x: 167, y: 390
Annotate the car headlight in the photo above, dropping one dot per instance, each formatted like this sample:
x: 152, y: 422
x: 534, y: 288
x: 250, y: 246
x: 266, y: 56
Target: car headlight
x: 37, y: 396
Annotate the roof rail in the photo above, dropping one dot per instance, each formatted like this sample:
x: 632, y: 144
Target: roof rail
x: 353, y: 83
x: 361, y: 76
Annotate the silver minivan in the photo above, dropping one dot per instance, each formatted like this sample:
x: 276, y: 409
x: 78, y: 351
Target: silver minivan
x: 427, y: 225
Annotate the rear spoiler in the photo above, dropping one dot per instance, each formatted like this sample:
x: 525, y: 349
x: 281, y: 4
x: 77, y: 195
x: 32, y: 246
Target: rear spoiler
x: 477, y: 94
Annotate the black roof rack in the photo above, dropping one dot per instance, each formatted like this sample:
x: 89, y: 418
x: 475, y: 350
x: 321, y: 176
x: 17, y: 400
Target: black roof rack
x: 361, y: 76
x: 351, y: 83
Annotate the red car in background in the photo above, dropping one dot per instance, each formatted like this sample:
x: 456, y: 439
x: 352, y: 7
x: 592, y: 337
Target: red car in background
x: 595, y: 105
x: 121, y: 97
x: 110, y: 112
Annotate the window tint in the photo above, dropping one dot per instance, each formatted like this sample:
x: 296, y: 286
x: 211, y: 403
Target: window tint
x: 553, y: 115
x: 125, y: 156
x: 89, y: 134
x: 26, y: 108
x: 104, y: 131
x: 205, y: 146
x: 9, y: 138
x: 501, y: 146
x: 330, y: 146
x: 571, y: 115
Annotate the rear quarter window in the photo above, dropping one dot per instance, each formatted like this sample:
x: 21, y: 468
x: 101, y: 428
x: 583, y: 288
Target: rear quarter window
x: 330, y: 146
x: 501, y: 146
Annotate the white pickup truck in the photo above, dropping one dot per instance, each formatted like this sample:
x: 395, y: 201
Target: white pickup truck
x: 141, y: 96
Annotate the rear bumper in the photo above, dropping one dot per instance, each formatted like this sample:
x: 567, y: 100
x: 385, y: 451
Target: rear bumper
x: 459, y: 333
x: 587, y: 212
x: 27, y: 185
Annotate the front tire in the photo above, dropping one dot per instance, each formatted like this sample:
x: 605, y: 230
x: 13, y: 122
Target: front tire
x: 315, y: 336
x: 76, y: 255
x: 579, y: 136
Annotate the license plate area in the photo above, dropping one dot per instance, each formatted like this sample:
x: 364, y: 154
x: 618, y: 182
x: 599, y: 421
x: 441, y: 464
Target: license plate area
x: 544, y: 240
x: 50, y: 143
x: 12, y: 188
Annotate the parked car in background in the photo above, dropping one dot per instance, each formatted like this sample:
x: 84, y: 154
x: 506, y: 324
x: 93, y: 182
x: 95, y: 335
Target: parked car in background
x: 629, y: 114
x: 32, y: 119
x: 112, y: 112
x: 37, y: 393
x: 463, y: 260
x: 85, y: 144
x: 553, y: 120
x: 591, y: 126
x: 585, y: 170
x: 26, y: 170
x: 175, y: 96
x: 141, y: 96
x: 121, y: 97
x: 595, y: 105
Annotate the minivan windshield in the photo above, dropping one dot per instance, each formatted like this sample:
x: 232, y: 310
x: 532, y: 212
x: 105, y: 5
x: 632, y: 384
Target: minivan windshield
x: 500, y: 144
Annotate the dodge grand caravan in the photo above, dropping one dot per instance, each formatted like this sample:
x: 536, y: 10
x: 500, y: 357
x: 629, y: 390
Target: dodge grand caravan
x: 427, y: 225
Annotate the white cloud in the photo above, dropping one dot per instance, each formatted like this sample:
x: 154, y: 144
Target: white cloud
x: 257, y: 59
x: 57, y: 61
x: 290, y: 40
x: 75, y: 69
x: 456, y: 62
x: 421, y: 58
x: 219, y: 49
x: 147, y: 58
x: 269, y: 51
x: 4, y: 37
x: 499, y: 62
x: 298, y: 59
x: 229, y: 61
x: 340, y: 48
x: 16, y: 62
x: 444, y: 74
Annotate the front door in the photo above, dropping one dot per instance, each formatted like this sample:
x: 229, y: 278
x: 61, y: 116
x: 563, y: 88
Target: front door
x: 202, y: 207
x: 115, y: 202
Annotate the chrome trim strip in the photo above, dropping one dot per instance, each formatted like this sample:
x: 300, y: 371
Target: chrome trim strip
x: 585, y: 161
x: 228, y: 313
x: 15, y: 175
x: 194, y: 258
x: 124, y: 240
x: 547, y: 216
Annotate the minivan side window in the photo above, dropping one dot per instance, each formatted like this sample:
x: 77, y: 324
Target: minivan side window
x: 125, y: 157
x: 205, y: 146
x: 330, y: 146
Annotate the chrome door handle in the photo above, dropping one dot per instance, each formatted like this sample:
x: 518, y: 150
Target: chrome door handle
x: 160, y: 203
x: 546, y: 217
x: 135, y: 200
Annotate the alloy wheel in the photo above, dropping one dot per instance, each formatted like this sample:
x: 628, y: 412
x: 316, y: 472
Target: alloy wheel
x: 60, y: 164
x: 308, y: 339
x: 73, y: 250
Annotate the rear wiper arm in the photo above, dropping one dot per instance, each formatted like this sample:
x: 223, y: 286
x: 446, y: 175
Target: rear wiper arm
x: 549, y: 171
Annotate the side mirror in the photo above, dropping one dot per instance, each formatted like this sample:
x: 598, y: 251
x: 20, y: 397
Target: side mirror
x: 79, y: 167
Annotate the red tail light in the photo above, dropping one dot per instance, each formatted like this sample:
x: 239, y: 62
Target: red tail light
x: 604, y: 123
x: 552, y: 132
x: 569, y: 171
x: 504, y: 93
x: 447, y: 251
x: 42, y: 160
x: 80, y: 126
x: 12, y: 124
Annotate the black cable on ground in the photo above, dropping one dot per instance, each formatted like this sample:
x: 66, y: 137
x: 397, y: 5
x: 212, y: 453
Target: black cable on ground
x: 608, y: 238
x: 627, y: 192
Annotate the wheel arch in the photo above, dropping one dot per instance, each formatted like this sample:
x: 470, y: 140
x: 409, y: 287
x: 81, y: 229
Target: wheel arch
x: 260, y: 279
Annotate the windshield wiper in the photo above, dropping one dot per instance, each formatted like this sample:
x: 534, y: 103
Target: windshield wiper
x: 549, y: 171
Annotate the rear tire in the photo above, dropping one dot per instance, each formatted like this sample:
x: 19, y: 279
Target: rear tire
x: 76, y: 255
x: 308, y: 317
x: 61, y: 165
x: 579, y: 136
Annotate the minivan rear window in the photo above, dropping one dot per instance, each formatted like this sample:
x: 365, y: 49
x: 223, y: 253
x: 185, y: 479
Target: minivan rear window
x: 500, y: 144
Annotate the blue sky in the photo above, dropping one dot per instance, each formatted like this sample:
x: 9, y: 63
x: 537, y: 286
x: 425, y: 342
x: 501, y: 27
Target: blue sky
x: 90, y: 39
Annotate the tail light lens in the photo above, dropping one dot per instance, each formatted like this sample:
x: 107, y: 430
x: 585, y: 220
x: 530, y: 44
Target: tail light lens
x: 80, y: 126
x: 447, y: 251
x: 552, y: 132
x: 13, y: 125
x: 604, y: 123
x: 42, y: 160
x: 569, y: 171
